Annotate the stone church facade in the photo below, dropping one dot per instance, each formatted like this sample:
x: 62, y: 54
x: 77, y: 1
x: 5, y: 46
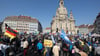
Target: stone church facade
x: 62, y: 21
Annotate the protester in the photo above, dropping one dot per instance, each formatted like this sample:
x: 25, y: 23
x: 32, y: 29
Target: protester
x: 59, y: 45
x: 40, y: 47
x: 56, y: 49
x: 97, y: 50
x: 65, y: 48
x: 82, y: 53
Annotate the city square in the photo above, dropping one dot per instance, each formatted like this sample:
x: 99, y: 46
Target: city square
x: 50, y: 28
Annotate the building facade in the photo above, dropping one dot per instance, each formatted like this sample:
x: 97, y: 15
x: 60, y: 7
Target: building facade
x: 22, y: 24
x: 47, y: 30
x: 85, y: 28
x: 62, y: 21
x: 1, y: 28
x: 97, y: 25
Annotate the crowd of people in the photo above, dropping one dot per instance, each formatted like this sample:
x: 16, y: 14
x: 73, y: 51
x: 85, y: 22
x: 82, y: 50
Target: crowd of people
x: 33, y: 45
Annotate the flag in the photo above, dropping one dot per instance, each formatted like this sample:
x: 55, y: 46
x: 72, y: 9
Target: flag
x: 10, y: 32
x: 53, y: 39
x: 64, y: 37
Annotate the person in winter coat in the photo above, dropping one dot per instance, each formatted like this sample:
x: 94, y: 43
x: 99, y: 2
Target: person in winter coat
x: 10, y: 51
x: 25, y: 44
x: 40, y: 47
x: 76, y: 49
x: 97, y: 50
x: 83, y: 53
x: 65, y: 48
x: 56, y: 50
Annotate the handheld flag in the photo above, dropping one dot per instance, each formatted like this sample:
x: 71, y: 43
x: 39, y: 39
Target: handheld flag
x: 64, y: 37
x: 10, y: 32
x: 53, y: 39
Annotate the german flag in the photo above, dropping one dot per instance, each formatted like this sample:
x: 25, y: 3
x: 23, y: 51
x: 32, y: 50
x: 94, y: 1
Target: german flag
x: 10, y: 32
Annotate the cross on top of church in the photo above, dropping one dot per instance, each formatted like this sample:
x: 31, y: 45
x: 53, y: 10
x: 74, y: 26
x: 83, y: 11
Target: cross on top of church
x: 61, y: 3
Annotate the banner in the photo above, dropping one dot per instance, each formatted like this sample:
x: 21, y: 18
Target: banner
x: 48, y: 43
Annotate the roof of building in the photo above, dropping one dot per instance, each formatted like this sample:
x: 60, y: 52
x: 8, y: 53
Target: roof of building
x: 91, y: 26
x: 83, y: 26
x: 21, y: 18
x: 86, y: 26
x: 76, y: 26
x: 48, y: 28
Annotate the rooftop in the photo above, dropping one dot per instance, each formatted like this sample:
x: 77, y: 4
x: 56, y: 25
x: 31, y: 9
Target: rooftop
x: 48, y: 28
x: 85, y: 26
x: 21, y: 18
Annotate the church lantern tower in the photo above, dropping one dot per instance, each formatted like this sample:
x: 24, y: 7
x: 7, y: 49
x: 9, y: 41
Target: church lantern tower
x: 61, y: 19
